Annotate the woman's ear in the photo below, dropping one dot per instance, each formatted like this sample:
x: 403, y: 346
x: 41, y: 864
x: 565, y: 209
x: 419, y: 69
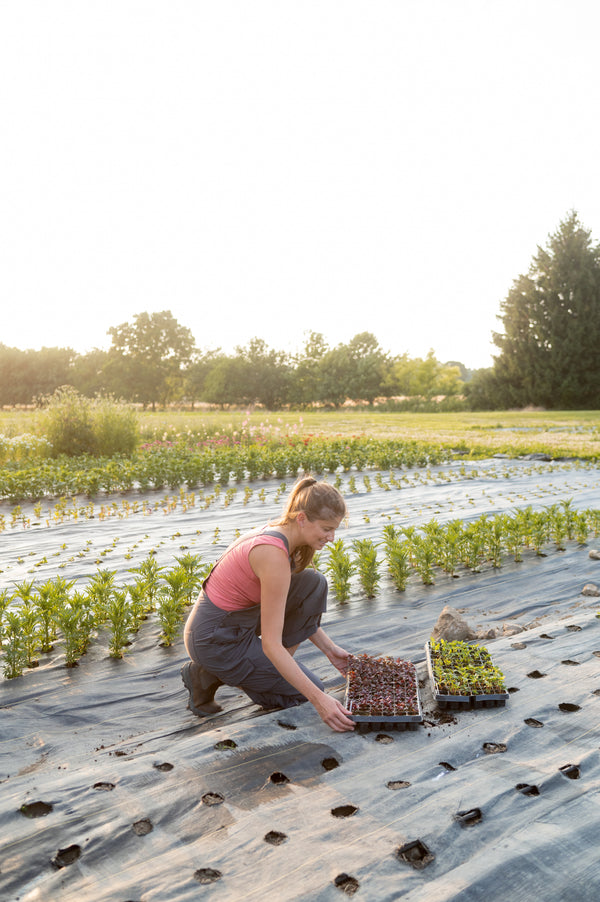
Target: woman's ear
x: 301, y: 519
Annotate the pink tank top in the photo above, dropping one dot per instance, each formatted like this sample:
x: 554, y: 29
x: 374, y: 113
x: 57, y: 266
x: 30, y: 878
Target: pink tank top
x: 232, y: 584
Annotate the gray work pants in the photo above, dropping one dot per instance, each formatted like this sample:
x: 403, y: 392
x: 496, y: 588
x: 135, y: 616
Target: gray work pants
x: 227, y: 643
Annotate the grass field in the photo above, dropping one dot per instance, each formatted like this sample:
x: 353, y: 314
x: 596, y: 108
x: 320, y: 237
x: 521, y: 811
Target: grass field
x: 554, y: 432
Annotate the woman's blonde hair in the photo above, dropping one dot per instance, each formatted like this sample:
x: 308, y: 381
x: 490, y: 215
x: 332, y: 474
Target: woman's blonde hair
x: 319, y: 501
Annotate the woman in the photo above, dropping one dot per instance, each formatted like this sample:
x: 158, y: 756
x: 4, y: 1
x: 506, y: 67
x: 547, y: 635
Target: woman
x: 260, y: 601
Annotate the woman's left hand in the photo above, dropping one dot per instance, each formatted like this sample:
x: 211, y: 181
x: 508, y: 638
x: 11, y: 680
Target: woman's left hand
x: 339, y: 658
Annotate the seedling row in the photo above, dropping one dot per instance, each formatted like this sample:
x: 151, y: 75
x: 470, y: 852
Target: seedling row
x: 159, y: 465
x: 436, y: 548
x: 35, y: 618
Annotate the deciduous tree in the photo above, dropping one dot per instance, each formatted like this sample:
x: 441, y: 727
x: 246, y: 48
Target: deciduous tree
x: 149, y: 356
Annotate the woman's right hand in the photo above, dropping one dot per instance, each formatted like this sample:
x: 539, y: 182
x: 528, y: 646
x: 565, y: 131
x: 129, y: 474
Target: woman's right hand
x: 333, y: 713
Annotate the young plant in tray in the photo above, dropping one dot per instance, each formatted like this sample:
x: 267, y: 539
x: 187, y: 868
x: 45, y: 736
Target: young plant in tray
x: 381, y: 687
x: 460, y: 669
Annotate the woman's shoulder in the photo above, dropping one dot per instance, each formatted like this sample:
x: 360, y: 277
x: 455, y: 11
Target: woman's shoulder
x: 269, y: 538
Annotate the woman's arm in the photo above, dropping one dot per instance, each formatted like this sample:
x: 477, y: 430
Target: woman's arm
x: 272, y: 568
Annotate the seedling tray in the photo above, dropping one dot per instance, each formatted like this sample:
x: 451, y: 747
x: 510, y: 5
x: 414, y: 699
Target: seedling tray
x: 475, y: 693
x: 383, y: 693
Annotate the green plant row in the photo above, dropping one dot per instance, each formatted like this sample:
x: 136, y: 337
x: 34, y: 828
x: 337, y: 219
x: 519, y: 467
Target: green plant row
x: 35, y: 617
x: 158, y: 466
x: 434, y: 547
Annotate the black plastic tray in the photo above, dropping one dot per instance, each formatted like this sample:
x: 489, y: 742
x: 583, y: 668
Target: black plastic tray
x: 366, y: 722
x: 458, y: 702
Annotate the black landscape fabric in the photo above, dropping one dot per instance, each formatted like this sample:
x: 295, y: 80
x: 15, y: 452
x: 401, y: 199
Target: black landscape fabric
x: 110, y: 789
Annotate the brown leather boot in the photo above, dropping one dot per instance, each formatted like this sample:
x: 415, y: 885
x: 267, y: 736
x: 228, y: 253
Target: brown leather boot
x: 202, y: 686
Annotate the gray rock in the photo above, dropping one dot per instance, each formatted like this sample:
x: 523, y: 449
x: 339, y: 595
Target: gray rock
x: 590, y: 589
x: 484, y: 635
x: 594, y: 554
x: 511, y: 629
x: 450, y: 626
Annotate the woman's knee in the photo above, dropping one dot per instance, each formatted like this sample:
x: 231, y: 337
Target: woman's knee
x: 309, y: 587
x: 312, y: 580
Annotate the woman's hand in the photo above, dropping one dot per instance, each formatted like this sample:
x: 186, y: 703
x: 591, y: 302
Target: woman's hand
x: 339, y: 658
x: 333, y: 713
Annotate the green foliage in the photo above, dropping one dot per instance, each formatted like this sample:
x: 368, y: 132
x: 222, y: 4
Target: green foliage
x: 551, y: 318
x: 462, y: 669
x: 28, y: 375
x: 148, y: 357
x: 46, y: 605
x: 424, y: 552
x: 67, y: 423
x: 397, y: 557
x: 14, y: 648
x: 415, y: 377
x: 164, y: 463
x: 367, y: 566
x: 172, y: 601
x: 118, y: 615
x: 114, y: 427
x: 76, y: 425
x: 340, y: 568
x: 75, y: 621
x: 19, y: 449
x: 35, y: 618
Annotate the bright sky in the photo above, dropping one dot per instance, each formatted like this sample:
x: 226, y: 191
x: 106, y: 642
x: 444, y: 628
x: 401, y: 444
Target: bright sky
x: 268, y: 168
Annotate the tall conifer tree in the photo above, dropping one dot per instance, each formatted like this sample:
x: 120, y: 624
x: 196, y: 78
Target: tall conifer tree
x: 550, y: 347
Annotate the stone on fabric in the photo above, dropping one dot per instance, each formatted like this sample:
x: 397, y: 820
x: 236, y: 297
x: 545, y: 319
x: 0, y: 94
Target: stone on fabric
x: 450, y: 625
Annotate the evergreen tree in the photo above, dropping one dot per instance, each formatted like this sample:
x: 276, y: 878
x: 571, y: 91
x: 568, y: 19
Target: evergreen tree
x: 551, y: 316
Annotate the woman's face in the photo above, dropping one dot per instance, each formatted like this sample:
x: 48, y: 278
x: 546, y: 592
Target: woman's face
x: 317, y: 533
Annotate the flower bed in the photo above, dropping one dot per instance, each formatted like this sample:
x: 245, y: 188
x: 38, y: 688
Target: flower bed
x: 382, y: 693
x: 464, y: 675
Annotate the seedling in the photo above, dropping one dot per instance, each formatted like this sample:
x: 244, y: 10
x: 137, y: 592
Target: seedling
x: 340, y: 568
x: 367, y: 565
x: 120, y: 621
x: 14, y: 650
x: 397, y: 557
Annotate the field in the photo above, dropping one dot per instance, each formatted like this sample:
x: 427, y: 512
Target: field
x: 107, y: 774
x: 575, y: 432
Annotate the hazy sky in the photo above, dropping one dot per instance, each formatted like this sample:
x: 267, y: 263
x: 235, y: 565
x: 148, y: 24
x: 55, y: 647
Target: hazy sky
x: 272, y: 168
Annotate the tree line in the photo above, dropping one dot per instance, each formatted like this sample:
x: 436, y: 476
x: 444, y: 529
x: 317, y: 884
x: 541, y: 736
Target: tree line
x: 154, y: 361
x: 548, y: 355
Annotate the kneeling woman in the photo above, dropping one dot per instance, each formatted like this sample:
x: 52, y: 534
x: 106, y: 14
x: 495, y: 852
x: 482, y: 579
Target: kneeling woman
x: 260, y: 601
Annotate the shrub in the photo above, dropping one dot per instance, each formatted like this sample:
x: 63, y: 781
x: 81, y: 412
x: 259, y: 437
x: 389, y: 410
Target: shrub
x: 115, y: 427
x: 77, y: 425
